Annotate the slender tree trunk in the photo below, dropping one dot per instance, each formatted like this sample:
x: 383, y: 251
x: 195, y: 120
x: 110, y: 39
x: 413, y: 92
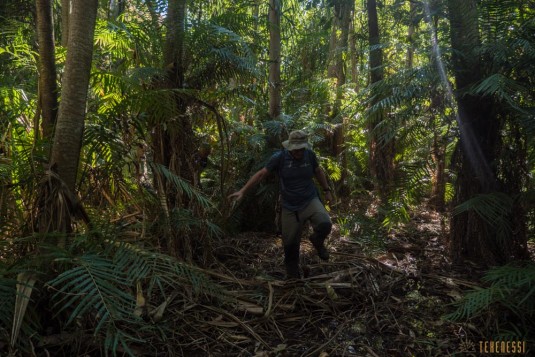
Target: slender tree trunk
x: 410, y: 34
x: 174, y: 43
x: 376, y: 53
x: 438, y: 150
x: 353, y: 55
x: 342, y: 18
x: 275, y: 99
x: 438, y: 180
x: 56, y: 202
x: 116, y: 8
x: 338, y: 48
x: 47, y: 67
x: 256, y: 15
x: 173, y: 138
x: 70, y: 124
x: 65, y: 13
x: 381, y: 150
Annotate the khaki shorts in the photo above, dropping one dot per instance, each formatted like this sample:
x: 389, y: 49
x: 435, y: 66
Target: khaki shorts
x: 293, y: 222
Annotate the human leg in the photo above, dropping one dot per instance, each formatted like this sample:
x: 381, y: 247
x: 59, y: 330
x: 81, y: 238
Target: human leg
x: 321, y: 224
x: 291, y: 238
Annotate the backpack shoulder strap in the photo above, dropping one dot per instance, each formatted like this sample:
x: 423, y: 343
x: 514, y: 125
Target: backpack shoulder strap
x: 282, y: 156
x: 281, y: 159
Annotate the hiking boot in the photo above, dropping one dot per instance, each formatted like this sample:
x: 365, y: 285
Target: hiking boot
x: 323, y: 253
x: 292, y: 271
x: 291, y: 261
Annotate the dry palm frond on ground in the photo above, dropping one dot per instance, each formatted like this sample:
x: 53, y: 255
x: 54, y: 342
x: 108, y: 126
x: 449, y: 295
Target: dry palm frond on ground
x: 353, y: 305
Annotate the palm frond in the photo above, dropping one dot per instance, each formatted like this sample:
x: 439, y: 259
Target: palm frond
x: 95, y: 289
x: 104, y: 144
x: 17, y: 313
x: 410, y: 187
x: 511, y: 287
x: 220, y: 54
x: 159, y: 103
x: 94, y: 285
x: 475, y: 302
x: 494, y: 208
x: 7, y: 296
x: 25, y: 287
x: 183, y: 220
x: 156, y: 268
x: 498, y: 85
x: 182, y: 185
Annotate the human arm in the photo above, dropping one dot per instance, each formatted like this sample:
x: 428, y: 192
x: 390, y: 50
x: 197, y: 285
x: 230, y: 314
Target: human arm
x: 322, y: 179
x: 254, y: 180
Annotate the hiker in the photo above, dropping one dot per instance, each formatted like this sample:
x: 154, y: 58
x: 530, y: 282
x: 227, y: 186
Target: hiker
x: 296, y: 166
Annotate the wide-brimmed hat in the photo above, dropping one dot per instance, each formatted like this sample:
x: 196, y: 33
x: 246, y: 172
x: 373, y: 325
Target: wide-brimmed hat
x: 298, y: 139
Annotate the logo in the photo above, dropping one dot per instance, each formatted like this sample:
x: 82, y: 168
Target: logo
x: 503, y: 347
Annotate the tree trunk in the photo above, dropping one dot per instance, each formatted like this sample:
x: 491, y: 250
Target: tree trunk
x: 472, y: 237
x: 116, y: 8
x: 440, y: 141
x: 275, y: 100
x: 338, y: 43
x: 381, y: 150
x: 410, y: 34
x: 353, y: 55
x: 56, y: 202
x: 376, y: 53
x: 70, y: 124
x: 47, y: 67
x: 173, y: 138
x: 65, y: 13
x: 338, y: 48
x: 438, y: 178
x: 174, y: 43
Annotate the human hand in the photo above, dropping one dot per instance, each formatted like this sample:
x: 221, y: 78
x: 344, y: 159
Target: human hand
x: 236, y: 196
x: 328, y: 197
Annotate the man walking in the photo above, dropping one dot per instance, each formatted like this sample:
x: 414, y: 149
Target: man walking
x: 296, y: 166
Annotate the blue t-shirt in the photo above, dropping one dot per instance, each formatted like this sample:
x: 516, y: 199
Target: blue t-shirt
x: 296, y: 178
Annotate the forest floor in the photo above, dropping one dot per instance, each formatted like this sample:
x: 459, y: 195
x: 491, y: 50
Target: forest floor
x: 377, y: 296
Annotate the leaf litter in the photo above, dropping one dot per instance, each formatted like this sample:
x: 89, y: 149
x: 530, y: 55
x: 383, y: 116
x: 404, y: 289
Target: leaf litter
x: 387, y: 304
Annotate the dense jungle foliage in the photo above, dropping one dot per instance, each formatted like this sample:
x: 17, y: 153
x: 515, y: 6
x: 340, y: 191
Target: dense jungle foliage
x: 125, y: 124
